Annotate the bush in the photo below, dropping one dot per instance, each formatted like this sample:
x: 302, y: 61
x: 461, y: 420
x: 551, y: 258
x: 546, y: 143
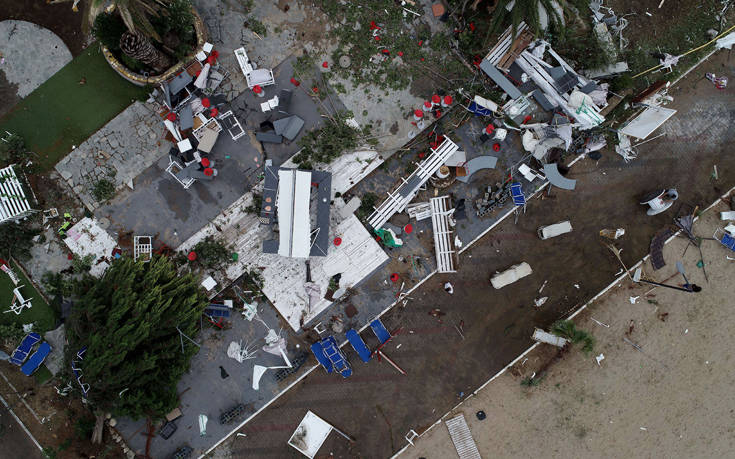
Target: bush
x: 178, y: 20
x: 367, y: 206
x: 257, y: 27
x: 212, y: 253
x: 16, y: 240
x: 103, y: 190
x: 328, y: 143
x: 11, y: 334
x: 12, y: 149
x: 84, y: 427
x: 567, y: 329
x: 108, y: 28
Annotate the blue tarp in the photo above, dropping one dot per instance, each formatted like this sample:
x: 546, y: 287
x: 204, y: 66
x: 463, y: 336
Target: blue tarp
x: 36, y: 359
x: 24, y: 348
x: 318, y: 352
x: 479, y: 110
x: 358, y: 345
x: 380, y: 331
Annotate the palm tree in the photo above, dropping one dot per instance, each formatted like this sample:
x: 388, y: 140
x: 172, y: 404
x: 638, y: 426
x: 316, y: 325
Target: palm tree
x: 528, y: 12
x: 139, y: 47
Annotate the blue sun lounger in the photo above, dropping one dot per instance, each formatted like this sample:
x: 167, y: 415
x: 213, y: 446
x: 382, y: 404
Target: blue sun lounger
x: 725, y: 239
x: 318, y: 352
x: 336, y: 357
x: 516, y: 192
x: 20, y: 354
x: 35, y: 361
x: 358, y: 345
x: 380, y: 331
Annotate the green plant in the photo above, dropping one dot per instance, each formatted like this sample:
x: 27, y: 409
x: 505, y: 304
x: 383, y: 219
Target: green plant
x: 327, y: 143
x: 257, y: 27
x: 567, y: 329
x: 12, y: 149
x: 532, y: 381
x: 136, y: 15
x: 83, y: 427
x: 255, y: 206
x: 16, y: 240
x: 11, y: 333
x: 108, y: 28
x: 367, y: 205
x: 103, y: 190
x: 526, y: 11
x: 212, y: 253
x: 82, y: 264
x: 130, y: 321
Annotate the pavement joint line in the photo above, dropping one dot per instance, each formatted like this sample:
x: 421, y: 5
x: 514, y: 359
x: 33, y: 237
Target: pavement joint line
x: 21, y: 398
x: 570, y: 317
x: 17, y: 419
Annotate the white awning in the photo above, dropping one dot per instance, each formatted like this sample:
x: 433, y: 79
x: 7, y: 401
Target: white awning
x: 294, y: 192
x: 13, y: 202
x: 310, y: 435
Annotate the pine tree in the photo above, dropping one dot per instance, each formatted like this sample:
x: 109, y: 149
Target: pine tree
x: 139, y: 47
x: 128, y: 321
x: 526, y: 11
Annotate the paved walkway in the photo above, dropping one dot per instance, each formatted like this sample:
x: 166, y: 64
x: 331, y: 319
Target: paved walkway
x: 118, y: 152
x: 31, y: 54
x: 379, y: 407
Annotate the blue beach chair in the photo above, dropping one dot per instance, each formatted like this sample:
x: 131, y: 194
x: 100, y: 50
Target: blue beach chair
x: 20, y: 354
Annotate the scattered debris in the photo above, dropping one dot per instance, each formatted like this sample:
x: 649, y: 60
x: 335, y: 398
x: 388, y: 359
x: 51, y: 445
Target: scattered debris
x: 599, y: 359
x: 538, y: 302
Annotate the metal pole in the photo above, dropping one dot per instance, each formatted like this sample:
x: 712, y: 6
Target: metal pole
x: 667, y: 286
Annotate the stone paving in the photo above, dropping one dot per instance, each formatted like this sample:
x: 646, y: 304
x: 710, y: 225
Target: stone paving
x: 49, y: 54
x: 118, y: 152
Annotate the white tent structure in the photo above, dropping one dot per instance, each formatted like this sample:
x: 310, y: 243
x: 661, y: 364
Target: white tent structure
x: 13, y: 202
x: 294, y: 193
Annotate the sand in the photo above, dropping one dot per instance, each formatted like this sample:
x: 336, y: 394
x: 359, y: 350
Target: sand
x: 674, y: 399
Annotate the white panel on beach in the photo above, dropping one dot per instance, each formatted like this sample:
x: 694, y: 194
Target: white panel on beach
x: 443, y: 243
x: 461, y: 436
x: 301, y: 237
x: 648, y: 121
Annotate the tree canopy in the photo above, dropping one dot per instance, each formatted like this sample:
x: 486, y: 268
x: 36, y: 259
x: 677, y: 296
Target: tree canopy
x: 528, y: 12
x: 128, y: 321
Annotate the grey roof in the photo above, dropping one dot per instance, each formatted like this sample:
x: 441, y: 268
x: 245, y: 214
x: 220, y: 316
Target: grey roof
x: 476, y: 164
x: 288, y: 127
x: 324, y: 196
x: 542, y: 100
x: 179, y: 82
x: 270, y: 190
x: 556, y: 72
x: 186, y: 117
x: 554, y: 176
x: 500, y: 79
x: 566, y: 82
x: 269, y: 136
x: 284, y: 99
x: 270, y: 246
x: 411, y: 185
x: 166, y: 93
x: 589, y: 87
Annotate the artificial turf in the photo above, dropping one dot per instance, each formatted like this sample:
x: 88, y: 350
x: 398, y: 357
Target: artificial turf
x: 70, y: 106
x: 40, y: 312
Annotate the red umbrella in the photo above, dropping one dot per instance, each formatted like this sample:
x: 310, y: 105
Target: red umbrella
x: 447, y: 100
x: 211, y: 59
x: 208, y: 171
x: 427, y: 105
x: 435, y: 99
x: 337, y: 241
x: 205, y: 162
x: 192, y: 256
x: 214, y: 112
x: 418, y: 114
x: 325, y: 64
x: 400, y: 53
x: 394, y: 277
x: 205, y: 102
x: 295, y: 82
x: 490, y: 129
x: 256, y: 89
x: 215, y: 53
x: 496, y: 147
x: 408, y: 228
x: 171, y: 116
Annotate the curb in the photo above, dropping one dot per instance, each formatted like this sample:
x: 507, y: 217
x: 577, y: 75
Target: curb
x: 23, y: 426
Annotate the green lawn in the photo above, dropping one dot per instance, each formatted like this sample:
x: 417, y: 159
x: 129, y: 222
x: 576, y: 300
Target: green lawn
x: 40, y: 313
x: 61, y: 112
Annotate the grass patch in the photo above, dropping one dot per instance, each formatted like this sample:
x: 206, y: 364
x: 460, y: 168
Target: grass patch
x: 40, y: 313
x: 62, y: 112
x: 42, y: 375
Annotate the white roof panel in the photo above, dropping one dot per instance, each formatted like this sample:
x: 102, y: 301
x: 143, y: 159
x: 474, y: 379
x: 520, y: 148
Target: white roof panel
x: 301, y: 237
x: 285, y: 210
x: 648, y: 121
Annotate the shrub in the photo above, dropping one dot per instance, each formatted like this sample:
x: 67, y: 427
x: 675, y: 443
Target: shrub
x: 12, y: 149
x: 16, y: 240
x: 367, y: 204
x: 257, y: 27
x: 11, y: 334
x: 108, y: 28
x: 328, y: 143
x: 212, y: 253
x: 567, y: 329
x: 103, y: 190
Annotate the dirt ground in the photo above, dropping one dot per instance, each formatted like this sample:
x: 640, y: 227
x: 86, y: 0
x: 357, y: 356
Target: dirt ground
x: 59, y: 19
x: 671, y: 399
x: 379, y: 406
x: 642, y: 26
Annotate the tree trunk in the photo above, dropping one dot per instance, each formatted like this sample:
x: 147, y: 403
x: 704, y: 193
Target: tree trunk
x: 98, y: 427
x: 137, y: 46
